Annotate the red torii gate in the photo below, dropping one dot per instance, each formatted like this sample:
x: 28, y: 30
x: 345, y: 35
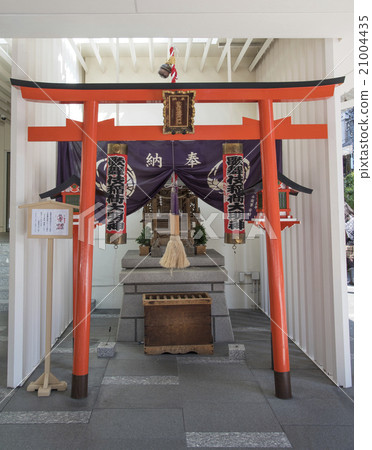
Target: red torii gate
x: 266, y: 129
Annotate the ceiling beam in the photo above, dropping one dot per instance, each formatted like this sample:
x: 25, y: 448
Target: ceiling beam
x: 242, y: 53
x: 205, y: 54
x: 133, y: 54
x: 260, y: 54
x: 78, y: 55
x: 4, y: 106
x: 95, y: 49
x: 114, y: 45
x: 224, y: 52
x: 151, y: 54
x: 229, y: 76
x: 187, y: 54
x: 5, y: 57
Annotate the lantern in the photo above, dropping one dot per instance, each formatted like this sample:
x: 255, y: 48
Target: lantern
x: 116, y: 202
x: 233, y: 193
x: 284, y: 192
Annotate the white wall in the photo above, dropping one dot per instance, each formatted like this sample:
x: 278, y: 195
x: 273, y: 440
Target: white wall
x: 33, y: 171
x: 4, y: 148
x: 314, y: 252
x: 107, y: 260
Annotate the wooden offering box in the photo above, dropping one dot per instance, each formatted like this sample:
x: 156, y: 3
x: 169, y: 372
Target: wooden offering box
x: 178, y: 323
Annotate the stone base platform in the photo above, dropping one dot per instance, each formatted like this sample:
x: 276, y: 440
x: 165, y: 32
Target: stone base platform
x: 205, y: 274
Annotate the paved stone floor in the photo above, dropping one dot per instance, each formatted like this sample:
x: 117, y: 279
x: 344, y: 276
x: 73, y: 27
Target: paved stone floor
x: 175, y: 402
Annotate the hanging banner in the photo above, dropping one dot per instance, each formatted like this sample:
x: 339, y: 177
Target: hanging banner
x: 116, y: 202
x: 198, y: 165
x: 233, y: 193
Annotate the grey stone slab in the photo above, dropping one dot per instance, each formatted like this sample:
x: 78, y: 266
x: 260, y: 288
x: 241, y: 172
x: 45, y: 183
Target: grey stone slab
x: 57, y: 401
x: 45, y: 417
x: 238, y: 440
x: 140, y: 380
x: 218, y: 287
x: 132, y: 259
x: 192, y: 287
x: 219, y: 307
x: 316, y: 411
x: 145, y: 366
x: 139, y: 396
x: 227, y: 417
x: 129, y: 288
x: 126, y: 330
x: 140, y: 329
x: 185, y: 359
x: 112, y: 443
x: 305, y: 384
x: 132, y: 306
x: 236, y: 351
x: 195, y: 373
x: 106, y: 349
x: 41, y: 436
x: 136, y: 423
x: 223, y: 330
x: 222, y: 391
x: 161, y: 275
x: 320, y: 437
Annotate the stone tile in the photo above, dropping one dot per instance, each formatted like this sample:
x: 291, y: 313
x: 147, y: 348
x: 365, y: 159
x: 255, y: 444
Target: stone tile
x: 142, y: 367
x: 320, y: 437
x: 111, y: 443
x: 222, y: 391
x: 229, y: 416
x: 57, y: 401
x: 164, y: 276
x: 143, y: 423
x: 137, y: 380
x: 177, y: 287
x: 305, y: 384
x: 190, y: 373
x: 44, y: 417
x: 139, y: 397
x: 313, y: 411
x: 41, y: 436
x: 236, y: 440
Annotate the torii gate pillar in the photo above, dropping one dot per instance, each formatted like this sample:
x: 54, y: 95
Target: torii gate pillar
x: 274, y: 251
x: 79, y: 387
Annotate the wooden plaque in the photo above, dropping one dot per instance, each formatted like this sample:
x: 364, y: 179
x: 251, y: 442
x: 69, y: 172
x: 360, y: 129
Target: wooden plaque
x: 179, y: 112
x: 49, y: 220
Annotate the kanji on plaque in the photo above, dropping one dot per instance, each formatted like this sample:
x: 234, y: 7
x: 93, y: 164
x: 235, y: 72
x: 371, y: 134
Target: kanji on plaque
x: 116, y: 202
x: 233, y: 190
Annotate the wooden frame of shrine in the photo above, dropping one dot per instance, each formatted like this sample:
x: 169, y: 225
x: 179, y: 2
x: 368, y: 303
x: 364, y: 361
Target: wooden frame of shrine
x: 266, y: 129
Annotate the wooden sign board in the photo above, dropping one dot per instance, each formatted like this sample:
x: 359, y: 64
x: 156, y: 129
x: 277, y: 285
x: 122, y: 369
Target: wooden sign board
x: 179, y: 112
x: 49, y: 220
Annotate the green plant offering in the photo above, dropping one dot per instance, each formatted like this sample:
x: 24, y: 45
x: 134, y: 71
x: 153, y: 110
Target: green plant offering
x: 144, y: 237
x: 200, y: 235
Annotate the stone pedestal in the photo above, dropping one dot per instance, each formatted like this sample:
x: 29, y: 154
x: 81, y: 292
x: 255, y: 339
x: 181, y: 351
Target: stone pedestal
x: 205, y: 274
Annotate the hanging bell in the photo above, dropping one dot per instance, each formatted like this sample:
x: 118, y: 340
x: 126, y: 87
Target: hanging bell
x: 165, y: 70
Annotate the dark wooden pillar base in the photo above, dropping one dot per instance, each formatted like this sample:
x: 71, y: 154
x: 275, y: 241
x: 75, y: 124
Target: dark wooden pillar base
x: 283, y: 385
x: 79, y: 386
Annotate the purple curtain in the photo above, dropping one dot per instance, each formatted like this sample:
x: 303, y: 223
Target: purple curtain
x: 150, y: 164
